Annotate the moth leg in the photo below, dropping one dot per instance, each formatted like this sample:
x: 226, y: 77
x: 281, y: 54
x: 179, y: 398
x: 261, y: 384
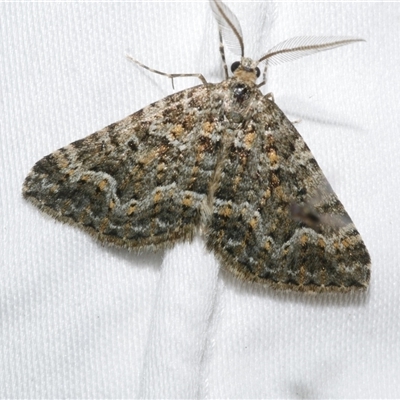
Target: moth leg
x: 264, y: 76
x: 222, y: 52
x: 171, y: 76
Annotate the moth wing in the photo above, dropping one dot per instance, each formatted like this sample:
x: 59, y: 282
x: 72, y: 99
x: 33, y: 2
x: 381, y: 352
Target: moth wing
x: 138, y: 183
x: 275, y: 218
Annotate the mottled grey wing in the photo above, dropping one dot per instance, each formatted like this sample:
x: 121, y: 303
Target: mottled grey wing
x: 275, y: 218
x: 138, y: 183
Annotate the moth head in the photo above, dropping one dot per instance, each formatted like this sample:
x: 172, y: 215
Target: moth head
x: 246, y: 69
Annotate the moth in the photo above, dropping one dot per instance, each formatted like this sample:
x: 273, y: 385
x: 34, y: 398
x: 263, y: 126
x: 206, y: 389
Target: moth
x: 219, y: 160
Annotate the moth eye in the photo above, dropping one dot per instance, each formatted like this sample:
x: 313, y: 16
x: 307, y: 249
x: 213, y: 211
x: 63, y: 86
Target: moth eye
x: 235, y: 66
x: 258, y: 73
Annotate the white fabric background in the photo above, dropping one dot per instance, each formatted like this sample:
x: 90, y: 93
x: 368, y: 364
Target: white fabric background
x: 79, y: 320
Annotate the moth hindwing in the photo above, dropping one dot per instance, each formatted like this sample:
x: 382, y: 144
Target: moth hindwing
x: 220, y: 160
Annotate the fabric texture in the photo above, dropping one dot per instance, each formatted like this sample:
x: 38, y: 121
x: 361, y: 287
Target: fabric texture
x: 80, y: 320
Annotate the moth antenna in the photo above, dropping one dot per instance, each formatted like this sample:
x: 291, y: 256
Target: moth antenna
x: 297, y: 47
x: 229, y: 27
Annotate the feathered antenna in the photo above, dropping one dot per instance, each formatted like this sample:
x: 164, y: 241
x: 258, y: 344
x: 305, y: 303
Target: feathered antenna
x: 229, y: 29
x: 297, y: 47
x: 291, y: 49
